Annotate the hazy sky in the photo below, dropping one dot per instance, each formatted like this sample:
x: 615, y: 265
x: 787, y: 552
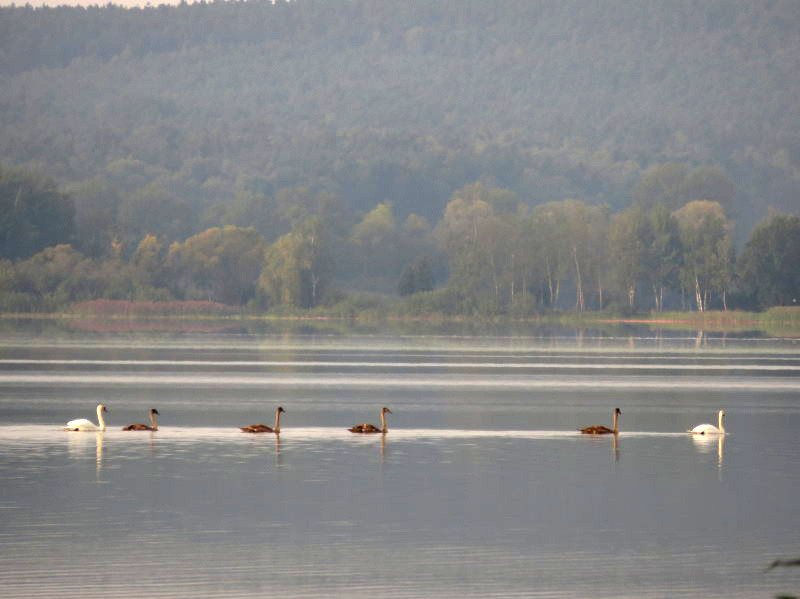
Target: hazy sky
x: 125, y: 3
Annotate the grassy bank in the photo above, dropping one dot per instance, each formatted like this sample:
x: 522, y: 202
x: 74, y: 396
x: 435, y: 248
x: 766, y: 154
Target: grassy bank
x: 779, y: 321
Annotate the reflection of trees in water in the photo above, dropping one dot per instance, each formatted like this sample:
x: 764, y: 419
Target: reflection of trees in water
x: 144, y: 325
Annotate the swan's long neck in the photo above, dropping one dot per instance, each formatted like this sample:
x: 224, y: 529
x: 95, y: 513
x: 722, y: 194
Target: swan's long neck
x: 100, y: 420
x: 277, y: 421
x: 616, y: 422
x: 154, y: 421
x: 384, y: 426
x: 720, y: 424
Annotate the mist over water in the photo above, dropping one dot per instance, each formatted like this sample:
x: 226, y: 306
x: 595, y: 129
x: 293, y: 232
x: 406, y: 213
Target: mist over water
x: 483, y: 485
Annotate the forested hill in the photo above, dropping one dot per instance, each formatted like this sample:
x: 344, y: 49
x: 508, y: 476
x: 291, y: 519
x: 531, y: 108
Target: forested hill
x: 368, y: 100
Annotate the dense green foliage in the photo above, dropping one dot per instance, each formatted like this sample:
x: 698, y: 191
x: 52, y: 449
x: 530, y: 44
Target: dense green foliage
x: 770, y: 262
x: 201, y: 104
x: 475, y: 157
x: 33, y: 214
x: 416, y: 277
x: 500, y: 257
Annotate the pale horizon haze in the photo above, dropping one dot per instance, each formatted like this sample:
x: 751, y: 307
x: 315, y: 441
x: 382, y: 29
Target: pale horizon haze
x: 88, y: 3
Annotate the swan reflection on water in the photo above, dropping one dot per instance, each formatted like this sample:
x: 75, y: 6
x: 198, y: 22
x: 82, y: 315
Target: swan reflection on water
x: 603, y: 439
x: 707, y: 443
x: 78, y: 446
x: 258, y: 442
x: 98, y: 452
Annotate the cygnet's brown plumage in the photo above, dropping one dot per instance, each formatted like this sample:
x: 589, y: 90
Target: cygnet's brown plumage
x: 257, y: 428
x: 153, y: 426
x: 604, y: 430
x: 263, y: 428
x: 371, y: 428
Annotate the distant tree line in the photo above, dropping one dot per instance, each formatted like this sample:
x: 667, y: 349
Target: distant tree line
x: 467, y: 156
x: 169, y: 120
x: 490, y: 253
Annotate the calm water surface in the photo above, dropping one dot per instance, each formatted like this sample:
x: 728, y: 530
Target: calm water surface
x: 482, y: 487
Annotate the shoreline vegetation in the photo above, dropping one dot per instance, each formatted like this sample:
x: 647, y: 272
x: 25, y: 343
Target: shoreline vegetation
x: 776, y: 321
x: 477, y: 199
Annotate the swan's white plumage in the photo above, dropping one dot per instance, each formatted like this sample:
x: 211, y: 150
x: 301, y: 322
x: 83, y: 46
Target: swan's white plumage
x: 710, y: 429
x: 703, y: 429
x: 82, y: 424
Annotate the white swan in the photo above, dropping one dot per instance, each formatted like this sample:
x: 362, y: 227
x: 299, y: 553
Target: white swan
x: 710, y: 429
x: 81, y: 424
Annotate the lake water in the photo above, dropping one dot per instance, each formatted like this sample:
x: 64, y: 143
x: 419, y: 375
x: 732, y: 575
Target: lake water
x: 481, y: 488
